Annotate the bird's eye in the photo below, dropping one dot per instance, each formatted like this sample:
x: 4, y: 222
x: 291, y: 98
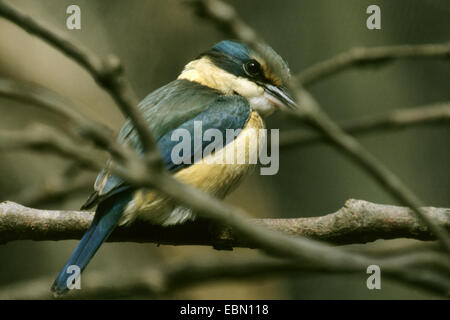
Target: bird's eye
x: 252, y: 68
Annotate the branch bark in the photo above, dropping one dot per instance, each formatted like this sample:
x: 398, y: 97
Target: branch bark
x: 357, y: 221
x: 363, y: 57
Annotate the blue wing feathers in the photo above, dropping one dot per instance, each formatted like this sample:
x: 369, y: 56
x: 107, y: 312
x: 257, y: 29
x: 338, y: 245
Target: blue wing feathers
x: 174, y: 106
x: 168, y: 107
x: 226, y: 113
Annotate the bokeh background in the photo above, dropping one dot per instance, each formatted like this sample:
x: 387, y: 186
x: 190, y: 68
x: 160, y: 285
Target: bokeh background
x: 154, y: 39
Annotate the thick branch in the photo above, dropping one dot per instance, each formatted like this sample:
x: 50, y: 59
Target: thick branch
x: 357, y: 222
x: 362, y: 57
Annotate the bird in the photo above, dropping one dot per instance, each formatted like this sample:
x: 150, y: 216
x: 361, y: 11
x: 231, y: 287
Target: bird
x: 229, y: 86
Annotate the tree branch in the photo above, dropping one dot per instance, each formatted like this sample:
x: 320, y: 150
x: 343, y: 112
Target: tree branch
x: 357, y: 222
x: 363, y: 57
x: 43, y: 138
x: 79, y: 124
x: 438, y: 113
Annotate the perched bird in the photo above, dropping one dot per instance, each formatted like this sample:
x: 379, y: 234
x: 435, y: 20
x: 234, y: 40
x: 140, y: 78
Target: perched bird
x: 229, y: 86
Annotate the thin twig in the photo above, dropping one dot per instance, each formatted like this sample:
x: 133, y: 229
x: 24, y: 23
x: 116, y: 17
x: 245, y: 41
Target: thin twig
x: 48, y: 100
x: 43, y: 138
x: 438, y: 113
x: 225, y: 15
x: 363, y: 57
x: 55, y: 189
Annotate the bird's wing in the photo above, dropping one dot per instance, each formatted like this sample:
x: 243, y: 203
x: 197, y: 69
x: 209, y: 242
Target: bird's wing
x: 178, y: 105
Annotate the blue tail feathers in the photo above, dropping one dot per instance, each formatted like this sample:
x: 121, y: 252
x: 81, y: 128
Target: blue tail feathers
x: 105, y: 220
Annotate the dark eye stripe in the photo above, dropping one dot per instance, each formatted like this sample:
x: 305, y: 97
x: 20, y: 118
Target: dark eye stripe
x: 238, y: 67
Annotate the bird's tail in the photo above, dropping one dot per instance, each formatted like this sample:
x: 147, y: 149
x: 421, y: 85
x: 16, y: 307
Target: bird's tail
x: 105, y: 220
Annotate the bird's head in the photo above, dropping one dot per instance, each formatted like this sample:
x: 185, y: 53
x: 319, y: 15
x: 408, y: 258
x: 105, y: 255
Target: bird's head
x: 233, y: 68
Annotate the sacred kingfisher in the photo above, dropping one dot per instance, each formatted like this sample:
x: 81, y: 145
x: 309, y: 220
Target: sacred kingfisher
x: 230, y: 86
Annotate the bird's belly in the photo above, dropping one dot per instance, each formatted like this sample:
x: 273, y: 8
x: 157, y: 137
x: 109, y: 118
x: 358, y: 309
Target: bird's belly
x: 212, y: 174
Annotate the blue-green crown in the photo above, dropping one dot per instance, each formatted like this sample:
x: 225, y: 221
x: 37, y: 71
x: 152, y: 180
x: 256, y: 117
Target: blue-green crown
x: 231, y: 55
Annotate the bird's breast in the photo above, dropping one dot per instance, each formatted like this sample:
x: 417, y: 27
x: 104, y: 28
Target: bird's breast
x: 220, y: 172
x: 217, y: 174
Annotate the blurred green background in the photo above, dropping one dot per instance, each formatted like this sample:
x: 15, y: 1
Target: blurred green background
x: 154, y: 39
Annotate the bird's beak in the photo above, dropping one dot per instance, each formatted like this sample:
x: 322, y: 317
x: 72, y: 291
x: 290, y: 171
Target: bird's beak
x: 279, y: 96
